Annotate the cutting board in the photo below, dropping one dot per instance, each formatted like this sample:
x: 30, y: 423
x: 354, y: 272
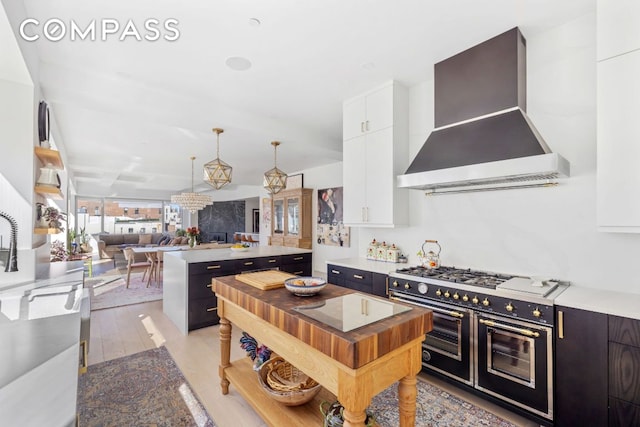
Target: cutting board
x: 265, y: 280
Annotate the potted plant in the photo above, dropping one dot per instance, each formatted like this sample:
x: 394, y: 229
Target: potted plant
x: 85, y: 247
x: 54, y: 218
x: 194, y: 236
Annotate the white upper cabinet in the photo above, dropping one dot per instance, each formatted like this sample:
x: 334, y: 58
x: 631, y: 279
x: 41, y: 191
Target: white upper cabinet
x: 368, y: 113
x: 375, y: 151
x: 618, y: 27
x: 618, y: 149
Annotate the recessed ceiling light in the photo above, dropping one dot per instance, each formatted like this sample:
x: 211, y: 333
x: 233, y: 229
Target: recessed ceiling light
x: 254, y: 22
x: 238, y: 63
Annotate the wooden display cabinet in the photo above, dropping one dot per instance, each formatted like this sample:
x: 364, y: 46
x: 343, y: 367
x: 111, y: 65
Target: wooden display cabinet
x: 291, y: 218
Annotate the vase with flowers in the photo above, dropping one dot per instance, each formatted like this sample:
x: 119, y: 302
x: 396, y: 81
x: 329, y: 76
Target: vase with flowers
x: 193, y: 233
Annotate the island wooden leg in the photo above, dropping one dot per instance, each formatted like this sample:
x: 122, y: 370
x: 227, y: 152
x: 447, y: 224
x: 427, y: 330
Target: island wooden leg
x: 354, y: 418
x: 225, y: 353
x: 407, y: 392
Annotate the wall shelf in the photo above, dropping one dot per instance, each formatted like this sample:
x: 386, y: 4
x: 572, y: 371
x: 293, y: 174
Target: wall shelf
x: 42, y: 230
x: 49, y: 156
x: 49, y: 191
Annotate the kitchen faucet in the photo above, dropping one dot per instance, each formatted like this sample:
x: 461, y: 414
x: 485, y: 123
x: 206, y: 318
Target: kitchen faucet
x: 12, y: 265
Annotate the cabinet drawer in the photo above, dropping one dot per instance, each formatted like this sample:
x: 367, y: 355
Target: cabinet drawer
x: 298, y: 269
x: 203, y: 312
x: 358, y: 276
x: 624, y: 331
x: 624, y: 372
x: 218, y: 268
x: 200, y: 286
x: 623, y: 414
x: 297, y: 258
x: 252, y: 264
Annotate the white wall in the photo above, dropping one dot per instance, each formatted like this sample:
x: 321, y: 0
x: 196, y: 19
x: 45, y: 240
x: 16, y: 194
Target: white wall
x: 545, y: 231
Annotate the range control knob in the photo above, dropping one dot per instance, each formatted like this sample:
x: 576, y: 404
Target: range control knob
x: 456, y: 296
x: 475, y: 300
x: 509, y: 307
x: 486, y: 302
x: 395, y: 283
x: 447, y: 294
x: 407, y: 285
x: 438, y: 292
x: 465, y: 297
x: 536, y: 312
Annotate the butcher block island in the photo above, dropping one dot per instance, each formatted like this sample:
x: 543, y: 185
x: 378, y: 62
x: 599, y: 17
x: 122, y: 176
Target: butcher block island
x: 352, y: 361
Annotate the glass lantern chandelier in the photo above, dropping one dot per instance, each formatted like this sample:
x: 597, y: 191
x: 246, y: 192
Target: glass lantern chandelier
x: 217, y: 173
x: 192, y: 201
x: 274, y: 179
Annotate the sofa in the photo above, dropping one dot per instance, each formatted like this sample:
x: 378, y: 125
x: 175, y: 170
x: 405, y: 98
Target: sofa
x: 111, y: 244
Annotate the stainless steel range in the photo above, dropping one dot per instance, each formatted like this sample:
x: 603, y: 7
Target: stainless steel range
x: 490, y: 331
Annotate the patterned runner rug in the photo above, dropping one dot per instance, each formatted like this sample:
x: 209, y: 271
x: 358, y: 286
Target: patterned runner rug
x: 434, y: 407
x: 143, y: 389
x: 109, y: 290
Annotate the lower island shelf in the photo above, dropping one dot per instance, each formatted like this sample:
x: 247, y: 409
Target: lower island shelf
x: 245, y: 380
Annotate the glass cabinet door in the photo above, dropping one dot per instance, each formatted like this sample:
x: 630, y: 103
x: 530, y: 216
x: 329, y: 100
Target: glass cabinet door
x: 293, y: 216
x: 278, y: 216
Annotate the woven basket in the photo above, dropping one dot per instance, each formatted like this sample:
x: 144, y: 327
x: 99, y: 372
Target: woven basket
x: 286, y: 383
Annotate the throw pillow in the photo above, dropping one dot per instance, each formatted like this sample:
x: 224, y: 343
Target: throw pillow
x: 144, y: 239
x: 185, y: 240
x: 175, y: 241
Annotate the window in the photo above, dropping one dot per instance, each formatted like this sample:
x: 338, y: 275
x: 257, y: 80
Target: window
x: 83, y: 209
x: 126, y: 210
x: 136, y: 211
x: 96, y: 211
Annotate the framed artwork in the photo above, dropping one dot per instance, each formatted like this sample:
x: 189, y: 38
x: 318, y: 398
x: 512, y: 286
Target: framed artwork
x: 331, y: 230
x: 295, y: 181
x: 266, y: 214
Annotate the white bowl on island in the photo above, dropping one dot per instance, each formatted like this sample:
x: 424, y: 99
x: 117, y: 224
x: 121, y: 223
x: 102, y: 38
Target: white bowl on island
x: 305, y: 286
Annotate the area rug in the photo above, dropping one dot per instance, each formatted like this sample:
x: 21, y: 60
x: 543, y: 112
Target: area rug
x: 434, y: 407
x: 109, y: 290
x: 143, y: 389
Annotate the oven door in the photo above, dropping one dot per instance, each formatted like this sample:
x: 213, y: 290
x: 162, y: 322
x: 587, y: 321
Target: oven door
x: 514, y: 362
x: 447, y: 348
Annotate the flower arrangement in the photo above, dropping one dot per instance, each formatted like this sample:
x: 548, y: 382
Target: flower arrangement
x: 194, y: 236
x: 193, y: 232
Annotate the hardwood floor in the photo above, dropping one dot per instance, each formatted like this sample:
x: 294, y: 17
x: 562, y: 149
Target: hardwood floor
x: 121, y: 331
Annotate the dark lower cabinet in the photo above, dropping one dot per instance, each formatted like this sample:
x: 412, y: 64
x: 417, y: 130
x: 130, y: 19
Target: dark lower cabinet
x: 624, y: 371
x: 299, y: 264
x: 202, y: 302
x: 358, y: 280
x: 581, y: 396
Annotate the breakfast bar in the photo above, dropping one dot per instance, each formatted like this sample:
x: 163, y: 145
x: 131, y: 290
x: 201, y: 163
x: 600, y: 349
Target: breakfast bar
x: 353, y: 364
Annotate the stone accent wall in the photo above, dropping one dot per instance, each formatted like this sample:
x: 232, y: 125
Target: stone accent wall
x: 221, y: 217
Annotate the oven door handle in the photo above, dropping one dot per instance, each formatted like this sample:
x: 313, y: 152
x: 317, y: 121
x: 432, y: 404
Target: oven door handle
x: 430, y: 307
x: 522, y: 331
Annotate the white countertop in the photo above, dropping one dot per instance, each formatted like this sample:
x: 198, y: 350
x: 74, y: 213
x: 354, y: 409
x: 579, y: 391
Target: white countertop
x: 206, y: 255
x: 367, y: 265
x: 602, y: 301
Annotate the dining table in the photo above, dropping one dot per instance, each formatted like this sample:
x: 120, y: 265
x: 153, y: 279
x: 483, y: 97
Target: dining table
x: 154, y: 256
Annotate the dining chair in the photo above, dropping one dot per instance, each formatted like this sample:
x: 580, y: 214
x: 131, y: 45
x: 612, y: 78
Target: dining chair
x: 133, y: 265
x: 253, y: 242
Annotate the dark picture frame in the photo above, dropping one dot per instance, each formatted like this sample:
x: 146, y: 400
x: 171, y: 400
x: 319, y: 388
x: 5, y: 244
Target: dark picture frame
x: 256, y: 220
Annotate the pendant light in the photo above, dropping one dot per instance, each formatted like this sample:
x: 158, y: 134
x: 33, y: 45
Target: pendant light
x: 217, y: 173
x: 192, y: 201
x: 274, y: 179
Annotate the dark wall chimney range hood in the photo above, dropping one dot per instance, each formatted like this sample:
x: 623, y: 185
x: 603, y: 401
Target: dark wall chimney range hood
x: 483, y: 138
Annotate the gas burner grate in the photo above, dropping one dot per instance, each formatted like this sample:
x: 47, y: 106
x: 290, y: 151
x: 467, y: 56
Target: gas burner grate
x: 458, y: 275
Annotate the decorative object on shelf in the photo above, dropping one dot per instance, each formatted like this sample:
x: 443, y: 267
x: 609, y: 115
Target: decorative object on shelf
x: 50, y: 217
x: 332, y: 413
x: 286, y: 384
x: 331, y: 229
x: 49, y: 176
x: 192, y: 201
x: 295, y: 181
x: 430, y: 259
x: 259, y: 354
x: 274, y: 179
x: 372, y: 250
x: 11, y: 264
x: 217, y: 173
x: 43, y: 124
x: 193, y: 233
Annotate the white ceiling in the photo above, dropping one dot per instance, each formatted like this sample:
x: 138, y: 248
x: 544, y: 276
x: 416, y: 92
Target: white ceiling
x: 131, y: 113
